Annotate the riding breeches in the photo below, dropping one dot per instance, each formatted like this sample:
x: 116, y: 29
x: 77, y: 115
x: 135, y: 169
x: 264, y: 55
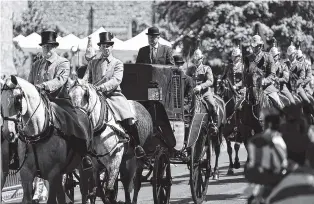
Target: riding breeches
x: 275, y: 97
x: 285, y: 91
x: 209, y: 99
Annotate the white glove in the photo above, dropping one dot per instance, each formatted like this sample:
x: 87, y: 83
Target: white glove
x: 197, y: 89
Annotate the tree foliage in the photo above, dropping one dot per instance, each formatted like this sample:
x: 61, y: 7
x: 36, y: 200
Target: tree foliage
x: 220, y: 25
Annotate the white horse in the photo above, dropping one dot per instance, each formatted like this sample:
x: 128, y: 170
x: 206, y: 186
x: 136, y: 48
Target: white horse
x: 23, y: 107
x: 84, y: 95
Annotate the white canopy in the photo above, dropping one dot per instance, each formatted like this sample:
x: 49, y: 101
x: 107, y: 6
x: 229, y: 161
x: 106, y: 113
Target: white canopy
x: 67, y: 42
x: 95, y: 39
x: 19, y: 38
x: 141, y: 40
x: 31, y: 41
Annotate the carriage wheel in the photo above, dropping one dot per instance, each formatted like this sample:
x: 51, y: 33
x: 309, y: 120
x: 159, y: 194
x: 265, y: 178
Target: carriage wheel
x: 200, y: 167
x: 101, y: 188
x: 69, y: 185
x: 161, y: 180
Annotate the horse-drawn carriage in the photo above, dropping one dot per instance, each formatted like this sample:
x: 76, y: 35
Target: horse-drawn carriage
x: 180, y: 136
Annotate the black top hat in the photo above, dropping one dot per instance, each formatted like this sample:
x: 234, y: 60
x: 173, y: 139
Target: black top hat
x: 178, y: 59
x: 105, y: 38
x: 49, y: 37
x: 153, y: 31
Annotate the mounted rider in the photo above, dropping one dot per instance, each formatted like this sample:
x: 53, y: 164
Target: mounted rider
x: 306, y: 84
x: 203, y: 76
x: 235, y: 76
x: 261, y: 60
x: 50, y: 74
x: 297, y: 73
x: 282, y: 74
x: 106, y: 74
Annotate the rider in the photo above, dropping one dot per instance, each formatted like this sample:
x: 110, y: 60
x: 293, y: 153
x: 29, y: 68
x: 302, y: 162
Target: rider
x: 106, y: 74
x: 50, y: 74
x: 188, y: 82
x: 261, y: 60
x: 308, y: 74
x: 282, y: 74
x: 297, y: 73
x: 204, y: 79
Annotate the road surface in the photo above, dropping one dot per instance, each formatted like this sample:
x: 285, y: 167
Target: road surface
x: 228, y: 190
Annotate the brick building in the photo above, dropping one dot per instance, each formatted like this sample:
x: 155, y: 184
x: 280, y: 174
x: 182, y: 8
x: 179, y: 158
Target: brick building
x: 124, y: 18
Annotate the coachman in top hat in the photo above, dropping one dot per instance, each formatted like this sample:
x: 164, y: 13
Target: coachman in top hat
x: 50, y: 75
x: 106, y: 74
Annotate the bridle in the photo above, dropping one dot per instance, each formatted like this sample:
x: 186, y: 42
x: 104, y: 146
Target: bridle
x: 18, y: 122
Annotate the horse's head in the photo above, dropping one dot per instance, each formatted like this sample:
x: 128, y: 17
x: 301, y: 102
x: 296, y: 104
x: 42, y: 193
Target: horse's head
x: 223, y: 88
x: 13, y: 106
x: 257, y: 79
x: 80, y: 94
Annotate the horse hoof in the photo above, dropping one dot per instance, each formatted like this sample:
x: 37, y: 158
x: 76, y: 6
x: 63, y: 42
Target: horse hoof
x: 237, y: 165
x: 216, y: 176
x: 230, y: 171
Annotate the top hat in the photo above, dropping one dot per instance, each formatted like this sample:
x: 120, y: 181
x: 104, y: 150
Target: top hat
x: 105, y: 38
x: 256, y: 40
x: 178, y: 59
x: 49, y: 37
x: 153, y: 31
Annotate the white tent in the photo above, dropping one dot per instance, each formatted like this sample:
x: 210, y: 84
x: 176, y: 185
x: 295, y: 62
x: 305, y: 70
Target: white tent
x: 32, y: 41
x: 19, y: 38
x: 67, y: 42
x: 95, y: 39
x: 141, y: 40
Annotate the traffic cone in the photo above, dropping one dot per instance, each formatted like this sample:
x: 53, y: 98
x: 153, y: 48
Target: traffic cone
x: 90, y: 51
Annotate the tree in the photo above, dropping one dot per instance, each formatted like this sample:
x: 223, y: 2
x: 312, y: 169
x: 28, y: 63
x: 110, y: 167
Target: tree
x: 220, y: 25
x: 32, y: 21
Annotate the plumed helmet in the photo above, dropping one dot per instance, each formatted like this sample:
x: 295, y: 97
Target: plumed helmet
x: 198, y: 54
x: 291, y: 50
x: 236, y: 52
x: 274, y: 51
x: 299, y: 53
x: 256, y: 40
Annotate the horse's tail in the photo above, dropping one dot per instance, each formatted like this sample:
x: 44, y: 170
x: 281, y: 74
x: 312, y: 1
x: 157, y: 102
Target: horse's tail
x: 144, y: 121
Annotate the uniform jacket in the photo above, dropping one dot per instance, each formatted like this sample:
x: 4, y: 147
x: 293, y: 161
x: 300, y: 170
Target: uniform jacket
x: 282, y: 74
x: 53, y: 72
x: 264, y: 62
x: 203, y: 76
x: 107, y: 73
x: 234, y: 73
x: 297, y: 74
x: 164, y: 55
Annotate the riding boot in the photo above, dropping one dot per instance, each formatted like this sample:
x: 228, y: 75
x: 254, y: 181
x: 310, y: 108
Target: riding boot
x: 132, y: 131
x: 87, y: 163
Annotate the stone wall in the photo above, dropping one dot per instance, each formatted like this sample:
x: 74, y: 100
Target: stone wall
x: 7, y: 66
x: 114, y: 16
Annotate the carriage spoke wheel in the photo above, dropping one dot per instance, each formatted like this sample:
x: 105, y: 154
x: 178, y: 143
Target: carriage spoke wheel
x: 200, y: 167
x: 69, y: 185
x: 162, y: 180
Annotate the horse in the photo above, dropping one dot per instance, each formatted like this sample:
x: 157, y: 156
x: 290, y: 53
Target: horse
x: 43, y: 149
x: 122, y: 159
x: 235, y: 129
x: 200, y: 106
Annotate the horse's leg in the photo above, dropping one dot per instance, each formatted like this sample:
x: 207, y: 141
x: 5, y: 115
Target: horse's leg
x: 236, y: 159
x: 217, y: 143
x: 59, y: 189
x: 84, y: 185
x: 229, y: 150
x: 127, y: 172
x: 138, y: 182
x: 5, y: 161
x: 27, y: 178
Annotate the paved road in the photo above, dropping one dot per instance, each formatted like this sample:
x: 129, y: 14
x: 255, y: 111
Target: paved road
x: 228, y: 190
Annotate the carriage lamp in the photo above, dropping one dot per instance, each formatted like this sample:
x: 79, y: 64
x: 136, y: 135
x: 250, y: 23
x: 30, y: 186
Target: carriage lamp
x: 154, y: 91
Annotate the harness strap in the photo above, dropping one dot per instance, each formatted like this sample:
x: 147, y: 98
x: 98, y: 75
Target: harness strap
x: 103, y: 110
